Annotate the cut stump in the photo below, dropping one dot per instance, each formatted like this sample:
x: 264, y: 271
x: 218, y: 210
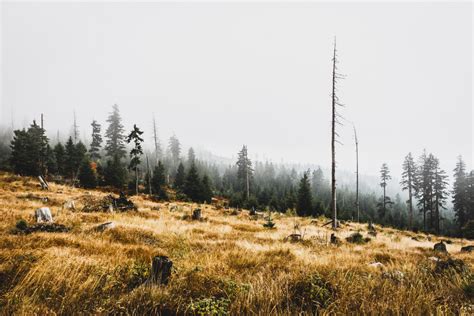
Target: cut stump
x: 160, y: 271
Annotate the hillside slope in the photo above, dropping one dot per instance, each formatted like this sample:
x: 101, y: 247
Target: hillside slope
x: 227, y: 263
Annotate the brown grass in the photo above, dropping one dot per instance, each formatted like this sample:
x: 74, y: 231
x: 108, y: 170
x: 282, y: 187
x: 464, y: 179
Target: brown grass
x: 225, y: 264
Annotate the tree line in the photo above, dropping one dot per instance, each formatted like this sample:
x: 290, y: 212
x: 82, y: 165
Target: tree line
x: 105, y: 161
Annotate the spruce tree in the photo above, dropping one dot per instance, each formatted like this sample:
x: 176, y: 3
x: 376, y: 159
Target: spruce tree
x: 136, y: 152
x: 384, y: 178
x: 304, y: 205
x: 87, y: 176
x: 174, y: 147
x: 158, y: 182
x: 114, y: 173
x: 244, y: 172
x: 409, y: 183
x: 51, y: 163
x: 425, y: 179
x: 60, y: 155
x: 440, y: 193
x: 180, y: 178
x: 459, y: 193
x: 206, y: 190
x: 96, y: 141
x: 114, y: 144
x: 192, y: 184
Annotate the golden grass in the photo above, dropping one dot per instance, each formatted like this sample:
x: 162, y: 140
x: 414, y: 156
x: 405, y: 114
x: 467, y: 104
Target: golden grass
x: 224, y: 264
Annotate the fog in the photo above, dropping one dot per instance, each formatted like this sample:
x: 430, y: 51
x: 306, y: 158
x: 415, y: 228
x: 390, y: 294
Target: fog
x: 223, y: 75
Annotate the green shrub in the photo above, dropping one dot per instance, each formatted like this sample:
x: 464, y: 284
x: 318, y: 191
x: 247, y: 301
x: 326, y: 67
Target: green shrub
x: 21, y: 225
x: 210, y: 306
x: 312, y: 292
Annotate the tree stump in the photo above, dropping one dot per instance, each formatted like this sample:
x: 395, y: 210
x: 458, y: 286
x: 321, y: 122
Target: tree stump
x: 334, y: 239
x: 252, y: 212
x: 196, y: 214
x: 467, y: 249
x: 441, y: 247
x: 43, y: 214
x: 160, y: 271
x: 294, y: 237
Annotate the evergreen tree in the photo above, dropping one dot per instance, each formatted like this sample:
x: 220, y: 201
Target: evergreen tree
x: 384, y: 177
x: 174, y: 147
x: 96, y: 141
x: 304, y: 205
x: 87, y: 176
x: 136, y: 152
x: 408, y: 183
x: 180, y: 178
x: 51, y: 163
x: 244, y: 172
x: 114, y: 144
x: 29, y: 151
x: 470, y: 196
x: 460, y: 196
x: 191, y: 156
x: 60, y: 155
x: 424, y: 183
x: 192, y: 184
x: 115, y: 173
x: 440, y: 192
x: 75, y: 153
x: 158, y: 181
x: 206, y: 190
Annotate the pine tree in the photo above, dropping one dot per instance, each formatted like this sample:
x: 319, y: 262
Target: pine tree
x: 136, y: 152
x: 60, y: 154
x: 174, y: 147
x: 75, y: 153
x: 304, y: 205
x: 384, y: 178
x: 192, y: 184
x: 115, y: 173
x: 440, y: 192
x: 206, y: 190
x: 460, y: 196
x: 408, y: 183
x: 244, y: 172
x: 158, y: 182
x: 180, y: 178
x: 191, y: 156
x: 51, y: 163
x: 425, y: 179
x: 87, y: 176
x: 114, y: 144
x: 96, y: 141
x: 21, y: 158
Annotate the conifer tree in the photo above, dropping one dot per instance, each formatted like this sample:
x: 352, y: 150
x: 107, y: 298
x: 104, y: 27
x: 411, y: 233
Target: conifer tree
x: 158, y: 181
x: 425, y: 179
x: 60, y: 155
x: 459, y: 192
x: 96, y: 141
x: 244, y: 171
x: 191, y: 156
x: 384, y: 178
x: 192, y: 184
x: 304, y: 205
x: 206, y: 190
x: 114, y: 173
x: 51, y: 163
x: 408, y: 183
x: 440, y: 193
x: 180, y: 178
x: 174, y: 147
x: 114, y: 144
x: 136, y: 152
x: 87, y: 176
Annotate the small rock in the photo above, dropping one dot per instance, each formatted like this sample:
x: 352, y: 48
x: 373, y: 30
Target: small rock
x: 467, y: 248
x: 376, y: 265
x: 441, y: 247
x: 435, y: 259
x: 70, y: 205
x: 43, y: 214
x: 105, y: 226
x: 395, y: 275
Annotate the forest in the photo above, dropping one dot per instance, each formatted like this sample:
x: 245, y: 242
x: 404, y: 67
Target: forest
x: 116, y: 160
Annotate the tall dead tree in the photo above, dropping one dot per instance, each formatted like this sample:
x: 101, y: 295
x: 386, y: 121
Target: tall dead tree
x: 75, y: 130
x: 357, y: 173
x: 335, y: 115
x: 156, y: 142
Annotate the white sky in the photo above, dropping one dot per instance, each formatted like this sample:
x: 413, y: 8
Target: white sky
x: 220, y: 75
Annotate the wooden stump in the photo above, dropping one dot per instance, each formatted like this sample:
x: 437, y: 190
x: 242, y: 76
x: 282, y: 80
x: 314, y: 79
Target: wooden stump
x: 160, y: 271
x: 197, y: 214
x: 252, y: 212
x: 334, y: 239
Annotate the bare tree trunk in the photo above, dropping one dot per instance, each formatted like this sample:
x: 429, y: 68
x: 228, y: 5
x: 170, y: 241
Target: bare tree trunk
x: 155, y: 138
x: 247, y: 182
x: 333, y: 142
x: 357, y: 174
x: 149, y: 174
x: 136, y: 180
x: 410, y: 202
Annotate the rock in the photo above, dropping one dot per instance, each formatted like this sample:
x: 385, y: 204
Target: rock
x: 160, y: 271
x: 69, y: 205
x: 105, y: 226
x: 196, y: 214
x: 441, y: 247
x: 43, y: 214
x: 376, y: 265
x: 467, y: 248
x: 395, y: 275
x: 436, y: 259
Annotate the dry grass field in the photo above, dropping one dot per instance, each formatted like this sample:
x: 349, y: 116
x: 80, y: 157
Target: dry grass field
x: 227, y: 263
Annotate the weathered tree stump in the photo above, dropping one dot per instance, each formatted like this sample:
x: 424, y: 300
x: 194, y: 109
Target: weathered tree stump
x: 43, y: 183
x: 197, y: 214
x: 43, y: 214
x: 441, y: 247
x: 334, y: 239
x: 160, y: 271
x: 252, y: 212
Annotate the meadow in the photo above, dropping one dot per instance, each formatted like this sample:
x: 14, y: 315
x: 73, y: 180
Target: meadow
x: 226, y: 263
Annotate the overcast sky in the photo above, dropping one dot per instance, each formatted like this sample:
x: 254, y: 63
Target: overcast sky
x: 221, y: 75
